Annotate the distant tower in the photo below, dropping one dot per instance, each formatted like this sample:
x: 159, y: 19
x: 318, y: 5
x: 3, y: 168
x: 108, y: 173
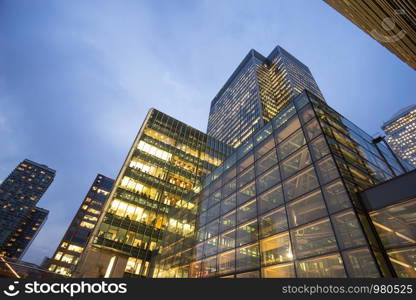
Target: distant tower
x: 401, y: 133
x: 20, y: 219
x: 255, y: 93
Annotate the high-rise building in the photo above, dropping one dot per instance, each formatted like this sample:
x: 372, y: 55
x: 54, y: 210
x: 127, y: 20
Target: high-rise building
x: 75, y: 240
x: 166, y: 162
x: 20, y: 219
x: 286, y: 203
x: 400, y: 133
x: 391, y: 22
x: 255, y: 92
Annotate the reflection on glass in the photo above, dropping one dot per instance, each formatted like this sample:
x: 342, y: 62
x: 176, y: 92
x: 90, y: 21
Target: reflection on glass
x: 293, y: 143
x: 314, y: 239
x: 246, y: 212
x: 246, y: 162
x: 209, y: 267
x: 404, y: 261
x: 266, y: 162
x: 306, y: 114
x: 195, y: 269
x: 228, y: 221
x: 246, y: 193
x: 296, y: 162
x: 273, y: 222
x: 360, y: 264
x: 228, y: 204
x: 327, y: 170
x: 268, y: 179
x: 265, y: 147
x: 336, y: 196
x: 226, y: 262
x: 348, y: 230
x: 287, y: 129
x: 254, y: 274
x: 306, y: 209
x: 279, y: 271
x: 321, y: 267
x: 319, y: 148
x: 247, y: 233
x: 245, y: 177
x: 276, y: 249
x: 301, y: 184
x: 229, y: 188
x: 312, y: 129
x: 227, y: 240
x: 210, y: 247
x: 248, y: 257
x: 270, y: 199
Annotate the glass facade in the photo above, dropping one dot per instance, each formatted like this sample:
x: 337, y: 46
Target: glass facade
x: 255, y: 92
x: 75, y: 240
x: 166, y: 162
x: 285, y: 203
x: 20, y: 218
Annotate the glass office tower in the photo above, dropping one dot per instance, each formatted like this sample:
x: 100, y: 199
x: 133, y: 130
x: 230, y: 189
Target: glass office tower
x: 255, y: 92
x: 75, y: 240
x: 391, y: 22
x: 166, y: 162
x: 401, y: 134
x: 20, y: 218
x: 285, y: 204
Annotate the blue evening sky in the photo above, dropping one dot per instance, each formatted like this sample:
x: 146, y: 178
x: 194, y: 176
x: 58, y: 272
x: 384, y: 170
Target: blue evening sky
x: 77, y: 77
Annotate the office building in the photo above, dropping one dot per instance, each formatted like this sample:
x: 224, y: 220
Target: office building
x: 166, y: 162
x: 392, y: 208
x: 400, y: 133
x: 255, y: 92
x: 285, y: 204
x: 20, y: 218
x: 391, y: 22
x: 75, y: 240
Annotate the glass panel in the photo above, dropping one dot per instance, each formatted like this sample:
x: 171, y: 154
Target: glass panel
x: 195, y: 270
x: 246, y: 212
x: 211, y: 229
x: 245, y: 148
x: 306, y: 209
x: 276, y: 249
x: 273, y: 222
x: 247, y: 233
x: 270, y: 199
x: 213, y: 213
x: 306, y: 114
x: 314, y: 239
x: 296, y: 162
x: 266, y: 162
x: 215, y: 198
x: 201, y: 235
x: 287, y: 129
x: 246, y: 193
x: 248, y: 257
x: 265, y: 147
x: 228, y: 204
x: 246, y: 162
x: 319, y: 148
x: 293, y: 143
x: 254, y: 274
x: 199, y: 250
x: 301, y: 101
x: 396, y: 224
x: 327, y: 170
x: 228, y: 221
x: 360, y: 264
x: 312, y: 129
x: 210, y: 247
x: 245, y: 177
x: 226, y: 262
x: 209, y: 267
x: 404, y: 262
x: 321, y: 267
x: 279, y: 271
x: 229, y: 188
x: 301, y: 184
x: 284, y: 115
x: 229, y: 175
x: 227, y: 240
x: 264, y: 133
x: 348, y: 230
x: 336, y: 196
x: 269, y: 179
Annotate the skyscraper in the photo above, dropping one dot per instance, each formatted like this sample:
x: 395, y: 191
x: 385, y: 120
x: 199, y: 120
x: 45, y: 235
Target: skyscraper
x: 255, y: 92
x: 285, y: 203
x: 75, y: 240
x: 391, y: 22
x: 401, y: 133
x: 20, y: 219
x: 166, y: 161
